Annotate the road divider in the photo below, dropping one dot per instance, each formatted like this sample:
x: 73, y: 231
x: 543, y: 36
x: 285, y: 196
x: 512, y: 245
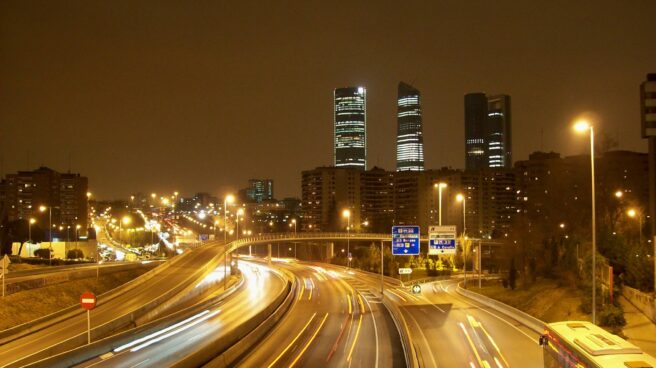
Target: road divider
x: 527, y: 320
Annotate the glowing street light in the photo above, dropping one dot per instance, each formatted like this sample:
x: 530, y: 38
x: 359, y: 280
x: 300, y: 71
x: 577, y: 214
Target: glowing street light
x: 619, y: 194
x: 461, y: 198
x: 29, y: 230
x: 347, y: 213
x: 227, y: 200
x: 583, y: 126
x: 633, y: 214
x: 439, y: 187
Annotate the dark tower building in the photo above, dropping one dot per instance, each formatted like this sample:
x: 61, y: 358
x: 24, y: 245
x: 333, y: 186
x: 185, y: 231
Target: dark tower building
x: 475, y: 131
x: 350, y: 128
x: 499, y: 132
x: 409, y: 139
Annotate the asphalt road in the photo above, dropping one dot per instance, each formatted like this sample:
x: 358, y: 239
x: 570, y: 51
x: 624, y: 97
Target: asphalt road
x: 449, y: 330
x: 335, y: 321
x: 171, y: 347
x: 20, y: 350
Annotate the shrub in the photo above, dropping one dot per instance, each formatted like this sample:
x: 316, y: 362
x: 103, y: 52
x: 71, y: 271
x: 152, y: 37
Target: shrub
x: 612, y: 316
x: 74, y: 254
x: 42, y: 253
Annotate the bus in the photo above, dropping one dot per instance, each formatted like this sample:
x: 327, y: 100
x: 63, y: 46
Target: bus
x: 577, y: 344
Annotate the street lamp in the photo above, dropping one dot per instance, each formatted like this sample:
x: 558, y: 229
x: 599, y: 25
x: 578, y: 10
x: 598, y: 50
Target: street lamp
x: 619, y: 194
x: 463, y: 199
x: 126, y: 220
x: 582, y: 126
x: 439, y: 187
x: 633, y: 214
x: 228, y: 199
x: 347, y: 213
x: 294, y: 223
x: 29, y: 230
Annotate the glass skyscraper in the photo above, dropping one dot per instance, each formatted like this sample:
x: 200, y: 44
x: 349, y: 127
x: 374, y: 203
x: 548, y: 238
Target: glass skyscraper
x: 488, y: 132
x: 475, y: 131
x: 409, y: 138
x: 499, y: 144
x: 350, y: 127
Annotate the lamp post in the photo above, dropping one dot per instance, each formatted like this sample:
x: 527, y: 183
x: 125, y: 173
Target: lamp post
x: 43, y: 209
x: 633, y: 214
x: 347, y: 213
x: 294, y: 223
x: 29, y: 230
x: 228, y: 199
x: 583, y: 126
x: 461, y: 198
x: 439, y: 187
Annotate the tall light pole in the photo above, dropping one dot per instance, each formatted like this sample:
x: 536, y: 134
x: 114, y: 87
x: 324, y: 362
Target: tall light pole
x: 228, y: 199
x: 583, y: 126
x: 633, y: 214
x: 29, y: 230
x: 294, y: 222
x: 439, y: 187
x: 347, y: 213
x: 43, y: 209
x: 463, y: 199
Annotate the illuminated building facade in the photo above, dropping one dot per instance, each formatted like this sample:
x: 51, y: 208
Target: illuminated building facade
x: 488, y: 132
x: 350, y: 128
x: 499, y: 132
x: 409, y: 139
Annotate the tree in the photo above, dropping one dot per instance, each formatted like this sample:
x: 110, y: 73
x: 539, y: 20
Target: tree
x: 74, y: 254
x: 512, y: 274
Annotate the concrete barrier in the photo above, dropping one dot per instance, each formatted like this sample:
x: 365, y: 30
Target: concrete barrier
x: 644, y: 302
x: 79, y: 354
x: 527, y: 320
x: 231, y: 356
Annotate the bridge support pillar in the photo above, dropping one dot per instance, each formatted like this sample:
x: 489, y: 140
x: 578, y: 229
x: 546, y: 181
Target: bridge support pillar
x: 330, y: 251
x: 269, y: 253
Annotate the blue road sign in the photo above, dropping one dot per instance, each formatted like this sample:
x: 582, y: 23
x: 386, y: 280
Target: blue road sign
x: 405, y: 240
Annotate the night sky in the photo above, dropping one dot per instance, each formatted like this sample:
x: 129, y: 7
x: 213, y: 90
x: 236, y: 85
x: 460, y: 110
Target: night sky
x: 200, y: 96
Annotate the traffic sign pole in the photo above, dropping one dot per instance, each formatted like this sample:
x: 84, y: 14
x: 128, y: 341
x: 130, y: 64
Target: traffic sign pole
x: 88, y: 326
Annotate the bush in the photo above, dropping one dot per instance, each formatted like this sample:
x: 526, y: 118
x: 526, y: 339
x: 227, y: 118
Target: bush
x: 42, y: 253
x: 612, y: 316
x: 75, y: 254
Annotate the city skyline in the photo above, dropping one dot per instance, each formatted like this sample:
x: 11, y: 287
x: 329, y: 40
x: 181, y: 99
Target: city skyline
x: 75, y: 95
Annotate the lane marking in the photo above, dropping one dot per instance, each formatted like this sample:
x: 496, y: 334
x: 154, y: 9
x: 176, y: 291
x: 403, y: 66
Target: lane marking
x: 350, y: 308
x: 339, y: 337
x: 421, y: 332
x: 293, y: 341
x: 462, y: 299
x: 355, y: 339
x: 310, y: 341
x: 471, y: 344
x: 300, y: 295
x: 399, y: 296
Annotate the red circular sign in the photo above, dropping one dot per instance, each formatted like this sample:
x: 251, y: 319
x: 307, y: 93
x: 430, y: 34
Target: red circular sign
x: 88, y: 300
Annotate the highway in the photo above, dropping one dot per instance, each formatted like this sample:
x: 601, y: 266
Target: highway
x: 180, y: 341
x: 448, y: 330
x: 43, y: 342
x: 334, y: 322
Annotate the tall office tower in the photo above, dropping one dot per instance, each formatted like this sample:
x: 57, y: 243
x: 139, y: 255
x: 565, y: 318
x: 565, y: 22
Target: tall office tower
x: 475, y: 131
x: 648, y: 115
x: 350, y: 128
x: 259, y: 190
x: 409, y: 139
x: 499, y: 132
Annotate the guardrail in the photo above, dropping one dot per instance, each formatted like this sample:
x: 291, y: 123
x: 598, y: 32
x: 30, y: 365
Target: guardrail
x: 527, y: 320
x: 35, y: 281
